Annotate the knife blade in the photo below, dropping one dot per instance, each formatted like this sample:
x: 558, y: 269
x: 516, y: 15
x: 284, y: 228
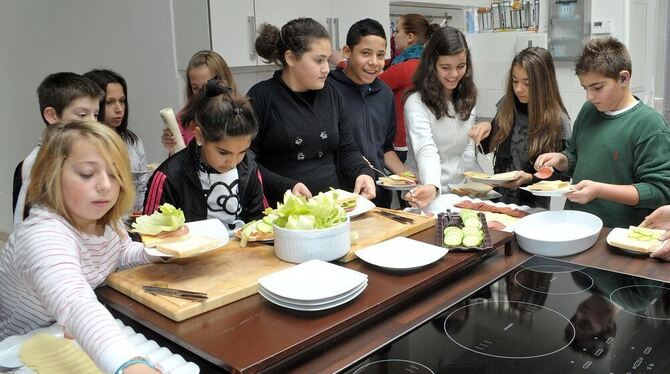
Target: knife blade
x: 396, y: 217
x: 174, y: 292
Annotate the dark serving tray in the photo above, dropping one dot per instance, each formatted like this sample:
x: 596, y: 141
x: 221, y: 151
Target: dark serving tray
x: 450, y: 218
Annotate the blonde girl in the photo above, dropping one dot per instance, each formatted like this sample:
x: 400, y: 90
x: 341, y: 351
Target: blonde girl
x: 71, y: 241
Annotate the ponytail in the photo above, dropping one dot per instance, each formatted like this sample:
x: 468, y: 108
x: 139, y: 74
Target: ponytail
x: 219, y: 113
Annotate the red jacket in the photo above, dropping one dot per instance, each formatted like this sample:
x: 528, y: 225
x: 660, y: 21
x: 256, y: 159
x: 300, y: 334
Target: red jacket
x: 399, y: 78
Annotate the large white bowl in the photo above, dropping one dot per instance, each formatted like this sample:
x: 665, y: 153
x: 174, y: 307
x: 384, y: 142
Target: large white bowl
x: 303, y: 245
x: 558, y: 233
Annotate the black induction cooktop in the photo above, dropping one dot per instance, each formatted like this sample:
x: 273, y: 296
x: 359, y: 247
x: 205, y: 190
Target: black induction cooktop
x: 544, y: 316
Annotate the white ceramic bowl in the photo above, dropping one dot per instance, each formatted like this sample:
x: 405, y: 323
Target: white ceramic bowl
x: 303, y: 245
x: 558, y: 232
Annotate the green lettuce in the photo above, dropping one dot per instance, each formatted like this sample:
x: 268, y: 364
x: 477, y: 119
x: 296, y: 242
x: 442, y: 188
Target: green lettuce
x: 298, y: 213
x: 168, y: 218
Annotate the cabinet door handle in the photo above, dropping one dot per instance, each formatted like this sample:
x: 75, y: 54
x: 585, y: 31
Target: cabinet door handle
x: 251, y: 21
x: 329, y: 23
x: 336, y: 22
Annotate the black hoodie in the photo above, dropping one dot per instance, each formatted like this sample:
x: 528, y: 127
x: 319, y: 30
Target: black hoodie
x: 372, y: 118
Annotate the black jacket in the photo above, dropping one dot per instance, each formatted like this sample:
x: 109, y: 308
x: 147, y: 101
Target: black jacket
x: 303, y: 137
x: 372, y: 117
x: 176, y: 182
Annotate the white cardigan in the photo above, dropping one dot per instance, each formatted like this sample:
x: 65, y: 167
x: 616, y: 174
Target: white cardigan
x: 439, y: 149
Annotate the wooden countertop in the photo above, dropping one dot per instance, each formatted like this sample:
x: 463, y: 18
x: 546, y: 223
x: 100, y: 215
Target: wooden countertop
x: 251, y: 334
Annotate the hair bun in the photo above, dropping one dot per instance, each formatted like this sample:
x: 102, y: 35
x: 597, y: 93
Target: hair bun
x: 215, y: 88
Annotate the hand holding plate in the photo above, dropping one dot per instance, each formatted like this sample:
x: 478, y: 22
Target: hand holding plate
x: 584, y: 192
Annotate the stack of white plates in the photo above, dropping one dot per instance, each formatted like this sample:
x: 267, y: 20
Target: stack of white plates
x: 312, y: 285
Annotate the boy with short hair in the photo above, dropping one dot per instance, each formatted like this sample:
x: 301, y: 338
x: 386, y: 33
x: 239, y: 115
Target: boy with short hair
x: 63, y: 97
x: 368, y: 100
x: 617, y: 155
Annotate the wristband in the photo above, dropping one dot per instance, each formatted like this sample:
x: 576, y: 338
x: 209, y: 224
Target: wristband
x: 133, y: 361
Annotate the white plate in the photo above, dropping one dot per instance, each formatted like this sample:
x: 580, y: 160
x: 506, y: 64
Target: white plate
x: 393, y: 187
x: 447, y: 201
x: 560, y: 192
x: 493, y: 194
x: 10, y: 347
x: 209, y: 227
x: 492, y: 180
x: 316, y: 303
x: 312, y: 280
x: 362, y: 204
x: 313, y: 308
x: 401, y: 254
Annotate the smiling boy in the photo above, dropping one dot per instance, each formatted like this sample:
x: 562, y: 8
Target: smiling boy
x: 617, y: 155
x: 368, y: 100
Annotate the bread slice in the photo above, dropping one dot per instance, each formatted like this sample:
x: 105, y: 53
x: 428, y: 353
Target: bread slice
x: 635, y: 245
x: 165, y: 237
x: 188, y: 247
x: 549, y: 186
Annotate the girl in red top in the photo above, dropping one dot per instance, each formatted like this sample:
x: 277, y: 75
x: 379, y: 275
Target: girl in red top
x: 412, y: 33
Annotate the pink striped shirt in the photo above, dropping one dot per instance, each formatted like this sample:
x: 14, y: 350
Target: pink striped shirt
x: 48, y: 271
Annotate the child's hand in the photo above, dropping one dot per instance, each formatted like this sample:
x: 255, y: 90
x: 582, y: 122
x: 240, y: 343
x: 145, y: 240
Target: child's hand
x: 168, y: 140
x: 301, y: 190
x: 521, y: 179
x: 480, y: 131
x: 662, y: 253
x: 365, y: 186
x: 659, y: 219
x: 556, y: 160
x: 584, y: 192
x: 421, y: 196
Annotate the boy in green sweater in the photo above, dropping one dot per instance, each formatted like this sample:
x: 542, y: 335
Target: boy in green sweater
x: 618, y: 153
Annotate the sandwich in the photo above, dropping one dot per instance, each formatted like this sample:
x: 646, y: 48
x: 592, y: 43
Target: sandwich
x: 638, y: 239
x: 549, y: 186
x: 165, y: 230
x: 347, y: 200
x: 473, y: 189
x: 402, y: 179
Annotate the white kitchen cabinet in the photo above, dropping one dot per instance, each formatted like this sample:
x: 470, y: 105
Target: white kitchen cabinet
x: 233, y: 30
x: 233, y: 23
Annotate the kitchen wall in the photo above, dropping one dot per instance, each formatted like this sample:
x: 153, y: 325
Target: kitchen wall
x: 134, y: 38
x: 492, y: 54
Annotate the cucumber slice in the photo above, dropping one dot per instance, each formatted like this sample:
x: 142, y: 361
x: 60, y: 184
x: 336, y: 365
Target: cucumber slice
x: 451, y: 229
x: 472, y: 222
x: 452, y: 240
x: 634, y: 235
x: 472, y: 241
x: 465, y: 213
x: 269, y: 219
x: 468, y: 230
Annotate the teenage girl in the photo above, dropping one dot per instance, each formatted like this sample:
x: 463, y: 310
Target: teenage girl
x: 73, y: 238
x: 531, y: 120
x: 203, y: 66
x: 439, y: 112
x: 114, y: 113
x: 305, y: 143
x: 215, y: 176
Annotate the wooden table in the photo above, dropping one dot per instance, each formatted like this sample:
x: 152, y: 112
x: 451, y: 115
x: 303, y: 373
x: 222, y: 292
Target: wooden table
x: 251, y: 334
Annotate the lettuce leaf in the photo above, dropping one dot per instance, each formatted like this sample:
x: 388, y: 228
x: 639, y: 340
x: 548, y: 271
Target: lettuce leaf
x: 298, y: 213
x: 168, y: 218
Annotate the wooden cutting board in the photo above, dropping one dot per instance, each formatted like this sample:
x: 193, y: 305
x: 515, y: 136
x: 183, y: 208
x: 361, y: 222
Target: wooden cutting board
x: 372, y: 228
x: 231, y: 273
x: 226, y: 275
